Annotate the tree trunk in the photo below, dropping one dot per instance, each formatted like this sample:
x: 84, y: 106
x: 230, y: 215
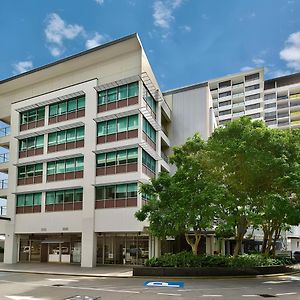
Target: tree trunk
x: 241, y: 231
x: 193, y: 241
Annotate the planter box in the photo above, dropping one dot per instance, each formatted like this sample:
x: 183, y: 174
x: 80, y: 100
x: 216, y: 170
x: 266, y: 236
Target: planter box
x: 209, y: 271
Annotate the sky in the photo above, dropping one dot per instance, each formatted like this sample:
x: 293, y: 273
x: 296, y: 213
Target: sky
x: 186, y: 41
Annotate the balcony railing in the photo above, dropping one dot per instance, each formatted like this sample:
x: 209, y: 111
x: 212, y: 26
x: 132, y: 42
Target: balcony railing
x: 295, y: 96
x: 2, y: 210
x: 164, y: 157
x: 4, y: 157
x: 5, y: 131
x: 3, y: 184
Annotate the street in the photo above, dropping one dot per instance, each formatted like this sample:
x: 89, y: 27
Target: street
x: 18, y: 286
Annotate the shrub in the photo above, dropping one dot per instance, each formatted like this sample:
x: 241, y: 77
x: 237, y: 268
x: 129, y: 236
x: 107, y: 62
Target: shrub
x: 187, y: 259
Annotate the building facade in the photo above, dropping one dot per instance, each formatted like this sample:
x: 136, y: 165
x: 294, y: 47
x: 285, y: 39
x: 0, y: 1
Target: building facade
x: 83, y: 132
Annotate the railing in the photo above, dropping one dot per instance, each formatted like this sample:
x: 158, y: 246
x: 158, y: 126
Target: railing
x: 3, y: 184
x: 2, y: 210
x: 164, y: 157
x: 4, y: 158
x: 235, y: 86
x: 295, y: 96
x: 164, y: 130
x: 282, y: 98
x: 238, y: 95
x: 5, y: 131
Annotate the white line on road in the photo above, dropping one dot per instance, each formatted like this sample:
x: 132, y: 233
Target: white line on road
x: 61, y: 279
x: 286, y: 294
x: 212, y: 295
x: 276, y: 282
x: 250, y: 296
x: 166, y: 294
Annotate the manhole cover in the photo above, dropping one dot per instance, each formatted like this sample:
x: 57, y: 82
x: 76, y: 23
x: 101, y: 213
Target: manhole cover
x: 267, y: 296
x: 78, y: 297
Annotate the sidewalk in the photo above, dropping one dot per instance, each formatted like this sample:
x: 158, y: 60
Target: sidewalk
x: 66, y: 269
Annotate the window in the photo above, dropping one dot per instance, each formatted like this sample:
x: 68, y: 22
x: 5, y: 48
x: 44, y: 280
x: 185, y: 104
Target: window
x: 117, y: 157
x: 66, y: 136
x: 225, y: 84
x: 252, y: 77
x: 32, y: 115
x: 32, y: 143
x: 30, y: 171
x: 29, y: 199
x: 120, y: 191
x: 118, y: 93
x: 252, y: 97
x: 270, y: 105
x: 68, y: 106
x: 225, y: 94
x: 225, y: 112
x: 253, y: 106
x: 149, y: 130
x: 149, y: 99
x: 251, y: 87
x: 117, y: 125
x: 149, y: 161
x: 224, y: 103
x: 65, y: 196
x: 270, y: 96
x: 65, y: 166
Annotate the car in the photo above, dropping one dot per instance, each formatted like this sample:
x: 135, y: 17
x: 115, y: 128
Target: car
x: 297, y: 256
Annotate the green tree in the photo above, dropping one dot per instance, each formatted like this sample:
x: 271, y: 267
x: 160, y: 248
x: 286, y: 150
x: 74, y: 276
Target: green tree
x: 252, y: 162
x: 182, y: 203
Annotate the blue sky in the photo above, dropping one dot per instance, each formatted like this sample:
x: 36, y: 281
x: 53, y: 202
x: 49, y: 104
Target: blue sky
x: 186, y: 41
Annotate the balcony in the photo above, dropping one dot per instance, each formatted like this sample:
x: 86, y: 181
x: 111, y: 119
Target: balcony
x: 295, y: 96
x: 238, y: 96
x: 4, y: 158
x: 5, y: 131
x: 238, y: 86
x: 239, y: 114
x: 164, y: 157
x: 3, y: 184
x: 2, y: 210
x: 4, y: 137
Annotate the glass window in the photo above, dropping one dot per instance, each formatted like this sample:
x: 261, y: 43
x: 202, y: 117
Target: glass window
x: 122, y: 124
x: 112, y: 95
x: 133, y: 89
x: 41, y: 113
x: 132, y: 155
x: 102, y: 98
x: 20, y: 200
x: 79, y: 163
x: 100, y: 193
x: 50, y: 198
x: 38, y: 170
x: 30, y: 170
x: 100, y: 159
x: 31, y: 143
x: 69, y: 196
x: 52, y: 139
x: 132, y: 122
x: 121, y: 191
x: 122, y: 157
x: 60, y: 167
x: 111, y: 158
x: 72, y: 105
x: 78, y: 195
x: 132, y: 190
x: 51, y: 168
x: 21, y: 172
x: 71, y: 135
x: 62, y: 108
x: 59, y: 197
x: 61, y: 137
x: 70, y: 165
x: 23, y: 145
x: 40, y: 141
x: 122, y: 92
x: 32, y: 115
x: 24, y: 118
x: 37, y: 199
x: 110, y: 192
x: 81, y: 103
x: 53, y: 110
x: 80, y: 133
x: 28, y: 199
x: 111, y: 127
x: 101, y: 129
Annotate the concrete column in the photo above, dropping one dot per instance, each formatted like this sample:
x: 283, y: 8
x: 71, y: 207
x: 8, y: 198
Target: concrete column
x: 157, y: 249
x: 88, y: 247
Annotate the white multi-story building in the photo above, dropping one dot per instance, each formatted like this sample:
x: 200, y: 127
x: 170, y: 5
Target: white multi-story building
x: 84, y: 131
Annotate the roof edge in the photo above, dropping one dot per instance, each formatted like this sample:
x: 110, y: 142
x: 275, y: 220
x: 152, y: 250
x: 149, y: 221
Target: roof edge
x: 186, y: 88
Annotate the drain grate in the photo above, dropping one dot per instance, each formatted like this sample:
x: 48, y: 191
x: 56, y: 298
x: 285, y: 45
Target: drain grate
x: 78, y: 297
x: 267, y: 296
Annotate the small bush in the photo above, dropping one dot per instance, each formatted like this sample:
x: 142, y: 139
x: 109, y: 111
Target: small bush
x: 187, y: 259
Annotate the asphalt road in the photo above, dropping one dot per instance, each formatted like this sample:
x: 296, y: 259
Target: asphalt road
x: 32, y: 286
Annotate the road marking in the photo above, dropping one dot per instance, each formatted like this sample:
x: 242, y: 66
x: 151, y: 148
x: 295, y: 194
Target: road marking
x: 212, y: 295
x: 249, y: 295
x: 277, y: 282
x: 294, y: 278
x: 171, y: 284
x: 166, y: 294
x: 61, y: 279
x: 286, y: 294
x: 24, y: 298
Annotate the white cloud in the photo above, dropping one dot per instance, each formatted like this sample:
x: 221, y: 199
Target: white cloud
x: 22, y: 66
x: 276, y: 73
x: 57, y: 30
x: 163, y: 12
x: 246, y: 68
x: 291, y: 52
x: 186, y: 28
x: 258, y: 61
x: 96, y: 40
x: 100, y: 2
